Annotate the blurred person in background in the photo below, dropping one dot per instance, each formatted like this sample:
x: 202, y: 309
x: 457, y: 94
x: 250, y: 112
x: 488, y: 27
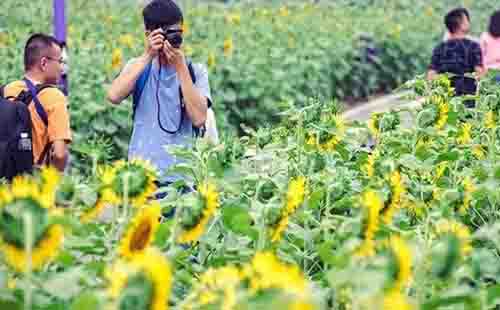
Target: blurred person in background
x: 458, y: 55
x: 490, y: 43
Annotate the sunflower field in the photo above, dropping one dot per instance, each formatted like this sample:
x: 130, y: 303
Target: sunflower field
x: 314, y: 213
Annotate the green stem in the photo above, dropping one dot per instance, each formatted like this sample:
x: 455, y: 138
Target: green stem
x: 28, y: 248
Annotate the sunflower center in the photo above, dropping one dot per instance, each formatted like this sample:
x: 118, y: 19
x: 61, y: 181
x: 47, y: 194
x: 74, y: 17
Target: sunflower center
x: 140, y: 237
x: 12, y: 221
x: 138, y: 293
x: 137, y: 180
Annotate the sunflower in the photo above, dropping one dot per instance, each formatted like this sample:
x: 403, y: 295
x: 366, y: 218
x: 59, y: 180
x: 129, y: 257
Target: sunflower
x: 458, y: 230
x: 402, y: 261
x: 465, y: 136
x: 206, y: 208
x: 397, y: 191
x: 142, y: 283
x: 126, y: 40
x: 25, y: 199
x: 369, y: 166
x: 226, y: 287
x: 490, y: 121
x: 478, y: 152
x: 326, y: 140
x: 468, y: 191
x: 137, y: 175
x: 372, y: 203
x: 50, y: 179
x: 395, y: 300
x: 294, y: 198
x: 94, y: 212
x: 116, y: 59
x: 443, y: 110
x: 141, y: 231
x: 228, y: 46
x: 43, y: 253
x: 373, y: 124
x: 440, y: 170
x: 211, y: 285
x: 266, y: 272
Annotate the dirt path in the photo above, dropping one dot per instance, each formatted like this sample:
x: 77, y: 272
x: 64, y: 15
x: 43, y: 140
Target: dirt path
x: 398, y: 101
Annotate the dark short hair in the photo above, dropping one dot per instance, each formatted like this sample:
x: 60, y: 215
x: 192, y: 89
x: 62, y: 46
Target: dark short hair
x: 36, y: 47
x: 453, y: 19
x: 161, y: 13
x: 494, y: 27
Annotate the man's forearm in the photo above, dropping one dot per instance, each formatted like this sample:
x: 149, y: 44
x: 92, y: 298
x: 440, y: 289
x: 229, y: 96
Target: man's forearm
x: 196, y: 103
x: 123, y: 85
x: 431, y: 74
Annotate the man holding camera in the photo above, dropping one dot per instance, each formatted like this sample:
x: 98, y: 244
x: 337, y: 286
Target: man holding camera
x: 171, y: 95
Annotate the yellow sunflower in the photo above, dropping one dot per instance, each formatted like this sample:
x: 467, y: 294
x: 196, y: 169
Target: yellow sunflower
x: 443, y: 109
x: 372, y: 202
x: 478, y: 152
x: 142, y: 283
x: 24, y: 198
x: 50, y: 179
x: 116, y: 59
x: 138, y: 176
x: 403, y: 261
x: 228, y: 286
x: 294, y: 198
x: 266, y: 272
x: 468, y: 191
x: 228, y: 46
x: 211, y: 61
x: 43, y: 253
x: 465, y: 136
x: 490, y: 121
x: 94, y: 212
x: 395, y: 300
x: 141, y: 231
x: 209, y: 205
x: 369, y: 166
x: 459, y: 230
x: 215, y: 286
x: 373, y: 124
x: 397, y: 192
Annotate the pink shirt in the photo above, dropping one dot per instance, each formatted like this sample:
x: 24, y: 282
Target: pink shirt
x: 490, y: 47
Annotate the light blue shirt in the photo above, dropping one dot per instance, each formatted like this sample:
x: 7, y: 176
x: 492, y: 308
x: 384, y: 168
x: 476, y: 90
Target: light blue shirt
x: 148, y: 139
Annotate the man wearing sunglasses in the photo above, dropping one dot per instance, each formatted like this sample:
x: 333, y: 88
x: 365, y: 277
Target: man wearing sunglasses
x: 170, y: 95
x: 51, y: 134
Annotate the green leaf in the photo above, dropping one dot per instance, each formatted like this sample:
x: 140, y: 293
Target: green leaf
x: 66, y: 259
x: 163, y: 234
x: 64, y: 285
x: 448, y: 156
x: 86, y: 301
x: 238, y: 220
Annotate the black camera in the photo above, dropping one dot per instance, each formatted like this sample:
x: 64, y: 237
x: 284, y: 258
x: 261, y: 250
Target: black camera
x: 174, y: 37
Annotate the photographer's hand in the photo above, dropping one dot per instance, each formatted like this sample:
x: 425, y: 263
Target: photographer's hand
x: 154, y: 43
x: 124, y: 84
x: 174, y: 56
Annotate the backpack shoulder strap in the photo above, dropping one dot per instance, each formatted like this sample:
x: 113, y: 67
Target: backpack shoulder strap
x: 139, y: 87
x: 38, y: 106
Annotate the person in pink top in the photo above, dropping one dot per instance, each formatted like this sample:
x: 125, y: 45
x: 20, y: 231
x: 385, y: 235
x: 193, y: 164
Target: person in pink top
x: 490, y: 43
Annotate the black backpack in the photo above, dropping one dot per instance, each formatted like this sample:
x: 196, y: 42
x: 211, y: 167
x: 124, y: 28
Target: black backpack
x: 16, y: 147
